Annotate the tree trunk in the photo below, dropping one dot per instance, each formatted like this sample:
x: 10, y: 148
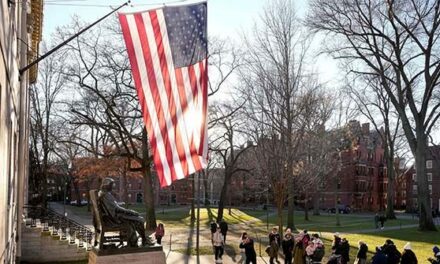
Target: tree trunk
x: 424, y: 203
x: 306, y: 208
x: 316, y: 204
x: 290, y: 204
x: 223, y: 196
x: 389, y: 157
x: 150, y: 214
x: 280, y: 218
x: 205, y: 188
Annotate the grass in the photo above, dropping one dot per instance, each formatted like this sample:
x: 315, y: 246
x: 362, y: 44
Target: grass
x: 183, y: 217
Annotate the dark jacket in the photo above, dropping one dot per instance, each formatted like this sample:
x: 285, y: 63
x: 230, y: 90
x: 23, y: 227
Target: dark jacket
x: 249, y: 250
x: 274, y: 237
x: 362, y: 253
x: 393, y: 255
x: 379, y: 258
x: 287, y: 245
x: 408, y: 257
x: 223, y: 227
x: 345, y: 251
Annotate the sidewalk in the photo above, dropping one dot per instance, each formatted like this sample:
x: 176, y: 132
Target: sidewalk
x: 178, y: 258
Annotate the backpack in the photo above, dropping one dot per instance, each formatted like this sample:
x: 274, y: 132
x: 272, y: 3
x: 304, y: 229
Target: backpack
x: 319, y: 253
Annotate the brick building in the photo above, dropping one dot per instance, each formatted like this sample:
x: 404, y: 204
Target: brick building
x: 361, y: 181
x: 433, y: 172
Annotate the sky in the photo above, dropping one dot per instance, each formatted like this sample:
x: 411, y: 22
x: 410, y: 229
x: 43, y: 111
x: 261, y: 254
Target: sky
x: 226, y: 18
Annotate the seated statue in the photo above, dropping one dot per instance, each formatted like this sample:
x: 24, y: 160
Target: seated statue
x: 115, y: 215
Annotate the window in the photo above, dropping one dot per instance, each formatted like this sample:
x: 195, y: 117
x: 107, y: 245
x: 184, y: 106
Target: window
x: 429, y: 177
x: 414, y: 189
x: 404, y: 194
x: 414, y: 177
x: 430, y: 189
x: 429, y: 164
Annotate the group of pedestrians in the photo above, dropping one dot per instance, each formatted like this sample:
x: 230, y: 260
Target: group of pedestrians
x: 389, y: 254
x: 300, y: 248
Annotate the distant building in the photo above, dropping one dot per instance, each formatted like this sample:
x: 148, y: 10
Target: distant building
x: 361, y: 182
x: 20, y: 34
x: 433, y: 173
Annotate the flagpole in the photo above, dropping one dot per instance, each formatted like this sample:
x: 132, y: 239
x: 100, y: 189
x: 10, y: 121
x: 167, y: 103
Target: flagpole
x: 27, y: 67
x: 198, y: 214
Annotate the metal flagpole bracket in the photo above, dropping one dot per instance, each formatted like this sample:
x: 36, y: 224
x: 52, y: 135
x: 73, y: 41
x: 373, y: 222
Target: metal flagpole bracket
x: 27, y: 67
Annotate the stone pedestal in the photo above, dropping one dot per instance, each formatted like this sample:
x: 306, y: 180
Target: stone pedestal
x: 147, y: 255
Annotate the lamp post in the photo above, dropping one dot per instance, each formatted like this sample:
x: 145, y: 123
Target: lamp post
x: 267, y: 208
x: 69, y: 167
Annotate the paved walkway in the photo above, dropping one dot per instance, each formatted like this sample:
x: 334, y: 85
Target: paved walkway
x: 178, y: 258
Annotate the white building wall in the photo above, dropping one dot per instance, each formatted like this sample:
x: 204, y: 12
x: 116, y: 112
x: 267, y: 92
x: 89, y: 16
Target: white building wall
x: 13, y: 125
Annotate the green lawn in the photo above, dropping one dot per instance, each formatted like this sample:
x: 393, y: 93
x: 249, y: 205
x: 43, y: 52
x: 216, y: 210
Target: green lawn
x: 183, y: 217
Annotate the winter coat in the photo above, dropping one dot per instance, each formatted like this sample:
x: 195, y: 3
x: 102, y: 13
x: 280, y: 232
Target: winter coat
x: 345, y: 251
x: 223, y: 227
x: 379, y: 258
x: 408, y: 257
x: 298, y: 254
x: 249, y: 250
x: 362, y: 253
x: 287, y: 244
x: 393, y: 255
x: 160, y: 231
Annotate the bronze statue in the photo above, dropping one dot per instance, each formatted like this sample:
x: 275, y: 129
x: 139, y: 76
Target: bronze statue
x: 115, y: 215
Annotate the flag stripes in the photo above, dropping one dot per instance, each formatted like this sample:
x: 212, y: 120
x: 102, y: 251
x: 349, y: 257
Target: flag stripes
x: 173, y: 100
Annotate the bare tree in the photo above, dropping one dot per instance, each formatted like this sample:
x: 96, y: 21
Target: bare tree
x: 105, y: 104
x: 274, y: 78
x: 44, y: 96
x: 396, y: 42
x: 226, y: 144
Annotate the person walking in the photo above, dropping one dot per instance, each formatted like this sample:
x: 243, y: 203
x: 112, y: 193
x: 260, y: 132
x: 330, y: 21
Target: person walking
x: 274, y: 243
x: 376, y: 220
x: 361, y: 257
x: 242, y: 251
x: 248, y: 245
x: 382, y: 221
x: 345, y: 251
x: 224, y: 229
x: 390, y: 250
x: 160, y: 232
x: 300, y: 247
x: 217, y: 243
x: 408, y: 256
x: 287, y: 245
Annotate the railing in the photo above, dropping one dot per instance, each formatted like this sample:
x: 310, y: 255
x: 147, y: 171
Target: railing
x: 59, y: 225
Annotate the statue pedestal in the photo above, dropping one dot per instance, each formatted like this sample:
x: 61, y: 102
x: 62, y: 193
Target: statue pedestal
x: 145, y: 255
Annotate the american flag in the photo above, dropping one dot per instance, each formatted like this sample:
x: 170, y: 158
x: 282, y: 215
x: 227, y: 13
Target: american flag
x: 167, y: 49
